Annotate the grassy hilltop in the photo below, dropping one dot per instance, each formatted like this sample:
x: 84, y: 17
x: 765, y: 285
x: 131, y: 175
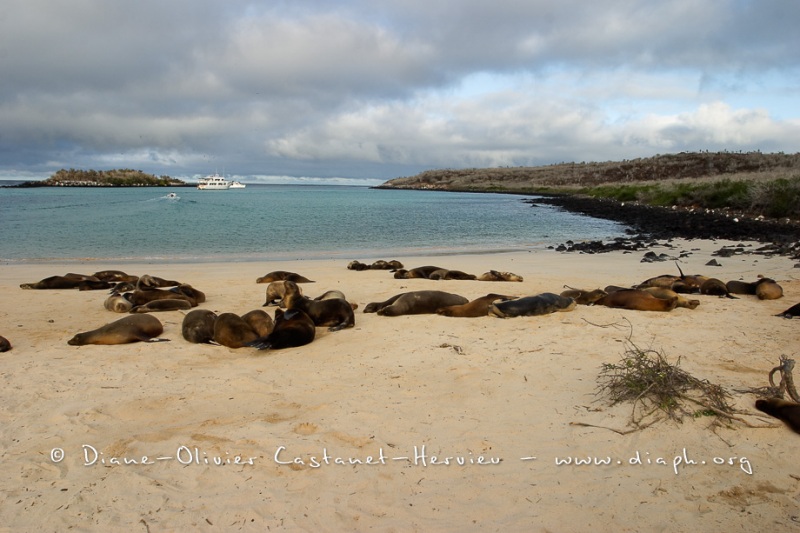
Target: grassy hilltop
x: 754, y: 183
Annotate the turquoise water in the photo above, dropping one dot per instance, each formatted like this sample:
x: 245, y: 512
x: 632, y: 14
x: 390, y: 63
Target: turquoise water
x: 274, y: 222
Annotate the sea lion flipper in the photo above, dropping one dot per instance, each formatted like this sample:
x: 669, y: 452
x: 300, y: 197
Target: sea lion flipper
x: 154, y: 339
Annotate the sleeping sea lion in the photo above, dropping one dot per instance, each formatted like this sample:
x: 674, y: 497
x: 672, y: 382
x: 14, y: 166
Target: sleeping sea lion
x: 541, y: 304
x: 283, y: 275
x: 768, y: 289
x: 357, y: 266
x: 132, y: 328
x: 115, y: 276
x: 292, y: 328
x: 494, y: 275
x: 330, y: 295
x: 334, y: 313
x: 444, y: 273
x: 232, y: 331
x: 260, y: 321
x: 715, y: 287
x: 637, y: 300
x: 415, y: 303
x: 740, y: 287
x: 584, y: 297
x: 475, y: 308
x: 666, y: 294
x: 784, y: 410
x: 154, y: 282
x: 118, y: 304
x: 415, y: 273
x: 68, y: 281
x: 4, y: 344
x: 164, y: 304
x: 198, y: 326
x: 142, y: 297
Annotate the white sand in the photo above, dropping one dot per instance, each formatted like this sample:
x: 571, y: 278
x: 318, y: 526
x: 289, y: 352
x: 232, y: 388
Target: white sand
x: 392, y: 388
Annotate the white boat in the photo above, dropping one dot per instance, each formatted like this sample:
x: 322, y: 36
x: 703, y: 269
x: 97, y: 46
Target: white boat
x: 172, y: 196
x: 237, y: 185
x: 214, y: 183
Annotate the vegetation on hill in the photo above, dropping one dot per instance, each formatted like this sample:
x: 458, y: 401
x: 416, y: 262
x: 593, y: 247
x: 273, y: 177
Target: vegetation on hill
x: 752, y: 182
x: 108, y: 178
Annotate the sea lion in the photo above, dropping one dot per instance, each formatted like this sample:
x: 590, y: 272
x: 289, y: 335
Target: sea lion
x: 792, y: 312
x: 784, y: 410
x: 357, y: 265
x: 68, y: 281
x: 584, y: 297
x: 444, y: 273
x: 494, y: 275
x: 275, y: 292
x: 415, y: 303
x: 118, y: 303
x: 637, y: 300
x: 415, y: 273
x: 117, y: 276
x: 768, y: 289
x: 142, y: 297
x: 292, y: 328
x: 665, y: 281
x: 740, y: 287
x: 334, y: 313
x: 163, y: 304
x: 132, y: 328
x: 232, y: 331
x: 198, y: 326
x: 283, y: 275
x: 380, y: 264
x: 260, y: 321
x: 666, y: 294
x: 330, y: 295
x: 154, y: 282
x: 475, y: 308
x: 541, y: 304
x: 715, y: 287
x: 4, y: 344
x: 92, y: 285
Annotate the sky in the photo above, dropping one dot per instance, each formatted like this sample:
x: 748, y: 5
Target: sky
x: 362, y: 91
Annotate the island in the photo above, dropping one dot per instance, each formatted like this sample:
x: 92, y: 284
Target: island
x: 105, y: 178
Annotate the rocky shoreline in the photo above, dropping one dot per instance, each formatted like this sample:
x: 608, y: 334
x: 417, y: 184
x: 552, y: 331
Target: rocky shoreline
x: 649, y: 224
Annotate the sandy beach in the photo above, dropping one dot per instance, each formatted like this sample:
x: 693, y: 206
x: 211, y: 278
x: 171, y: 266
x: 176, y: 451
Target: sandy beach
x: 410, y: 423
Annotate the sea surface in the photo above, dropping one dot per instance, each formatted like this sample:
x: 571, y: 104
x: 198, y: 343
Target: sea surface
x: 274, y: 222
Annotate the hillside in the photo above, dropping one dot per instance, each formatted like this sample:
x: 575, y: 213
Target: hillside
x: 105, y: 178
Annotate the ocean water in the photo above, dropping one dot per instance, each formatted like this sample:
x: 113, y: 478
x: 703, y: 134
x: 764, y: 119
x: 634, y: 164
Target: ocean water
x: 274, y: 222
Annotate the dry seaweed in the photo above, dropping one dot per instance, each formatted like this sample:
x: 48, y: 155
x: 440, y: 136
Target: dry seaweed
x: 654, y: 385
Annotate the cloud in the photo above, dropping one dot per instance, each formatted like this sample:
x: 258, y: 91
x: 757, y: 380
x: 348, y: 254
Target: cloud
x: 379, y: 89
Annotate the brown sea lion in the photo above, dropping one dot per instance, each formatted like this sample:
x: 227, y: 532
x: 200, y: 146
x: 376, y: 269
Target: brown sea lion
x: 164, y: 304
x: 415, y: 303
x: 666, y: 294
x: 334, y: 313
x: 275, y: 292
x: 792, y: 312
x: 4, y: 344
x: 540, y: 304
x: 68, y: 281
x: 142, y: 297
x: 584, y: 297
x: 715, y: 287
x: 260, y: 321
x: 132, y: 328
x: 637, y: 300
x: 283, y: 275
x: 118, y: 304
x: 664, y: 281
x: 357, y: 266
x: 232, y: 331
x: 292, y: 328
x: 740, y: 287
x: 784, y: 410
x: 198, y: 326
x: 154, y: 282
x: 494, y: 275
x: 415, y: 273
x: 476, y: 308
x: 386, y: 265
x: 332, y: 294
x: 115, y: 276
x: 768, y: 289
x: 450, y: 274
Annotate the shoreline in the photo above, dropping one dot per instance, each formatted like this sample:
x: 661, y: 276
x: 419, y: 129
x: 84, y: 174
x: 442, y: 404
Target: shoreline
x: 244, y: 435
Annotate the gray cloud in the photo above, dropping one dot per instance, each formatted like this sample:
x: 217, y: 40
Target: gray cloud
x: 380, y: 89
